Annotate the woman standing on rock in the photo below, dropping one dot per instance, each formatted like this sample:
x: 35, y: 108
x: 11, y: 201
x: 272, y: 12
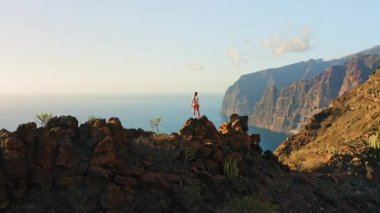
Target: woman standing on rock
x: 195, y: 104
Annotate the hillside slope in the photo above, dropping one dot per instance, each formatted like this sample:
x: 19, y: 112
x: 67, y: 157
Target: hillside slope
x: 337, y: 137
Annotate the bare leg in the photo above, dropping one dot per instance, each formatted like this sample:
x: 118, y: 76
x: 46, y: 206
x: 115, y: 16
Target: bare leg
x: 194, y: 112
x: 199, y: 115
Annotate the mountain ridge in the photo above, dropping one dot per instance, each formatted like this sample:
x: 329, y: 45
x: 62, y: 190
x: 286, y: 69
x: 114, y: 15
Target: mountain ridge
x: 239, y: 97
x: 296, y: 103
x: 245, y: 94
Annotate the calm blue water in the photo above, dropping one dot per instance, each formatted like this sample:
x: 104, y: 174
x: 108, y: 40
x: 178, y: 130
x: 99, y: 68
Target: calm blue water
x: 133, y: 111
x: 269, y: 139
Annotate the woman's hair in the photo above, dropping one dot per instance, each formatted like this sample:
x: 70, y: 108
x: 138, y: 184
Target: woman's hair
x: 196, y: 93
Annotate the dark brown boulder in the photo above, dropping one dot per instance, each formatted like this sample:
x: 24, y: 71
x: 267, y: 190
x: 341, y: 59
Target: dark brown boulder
x: 65, y: 153
x: 269, y: 155
x: 66, y: 122
x: 115, y: 125
x: 199, y: 128
x: 237, y: 124
x: 97, y: 122
x: 13, y: 158
x: 40, y: 176
x: 92, y: 132
x: 27, y: 132
x: 224, y: 128
x: 255, y: 138
x: 45, y: 150
x: 105, y: 154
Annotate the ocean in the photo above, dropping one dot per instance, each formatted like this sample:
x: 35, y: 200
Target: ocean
x: 132, y: 110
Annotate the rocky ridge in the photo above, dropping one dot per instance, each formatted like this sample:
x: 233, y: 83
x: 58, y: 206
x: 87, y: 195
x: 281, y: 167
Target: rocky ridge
x: 100, y: 166
x: 279, y: 112
x: 288, y: 109
x: 245, y: 92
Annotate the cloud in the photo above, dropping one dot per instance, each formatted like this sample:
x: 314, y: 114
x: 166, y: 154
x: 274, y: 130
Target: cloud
x: 280, y: 46
x: 195, y: 67
x: 235, y: 57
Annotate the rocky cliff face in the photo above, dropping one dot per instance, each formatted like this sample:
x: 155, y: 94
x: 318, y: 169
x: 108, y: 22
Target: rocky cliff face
x: 358, y: 70
x: 337, y: 137
x: 302, y: 90
x: 291, y: 107
x: 244, y: 93
x: 100, y: 166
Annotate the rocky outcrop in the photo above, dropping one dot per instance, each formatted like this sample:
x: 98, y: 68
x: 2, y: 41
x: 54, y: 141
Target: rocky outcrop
x: 200, y: 128
x: 238, y: 124
x: 255, y: 94
x: 289, y: 108
x: 100, y: 166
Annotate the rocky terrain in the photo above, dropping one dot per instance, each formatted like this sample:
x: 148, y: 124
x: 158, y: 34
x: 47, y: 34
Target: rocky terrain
x: 283, y: 99
x: 342, y: 139
x: 342, y: 129
x: 99, y: 166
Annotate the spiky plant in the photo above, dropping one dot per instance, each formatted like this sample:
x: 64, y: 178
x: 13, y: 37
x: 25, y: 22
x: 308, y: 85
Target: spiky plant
x: 230, y: 168
x: 374, y: 141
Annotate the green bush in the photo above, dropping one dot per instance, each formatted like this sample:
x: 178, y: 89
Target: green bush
x: 43, y: 118
x: 230, y: 169
x: 248, y: 205
x: 374, y: 141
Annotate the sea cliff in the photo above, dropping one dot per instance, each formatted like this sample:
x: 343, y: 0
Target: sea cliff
x: 283, y: 99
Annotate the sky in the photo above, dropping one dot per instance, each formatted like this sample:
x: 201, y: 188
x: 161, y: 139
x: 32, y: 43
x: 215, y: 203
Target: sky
x: 169, y: 46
